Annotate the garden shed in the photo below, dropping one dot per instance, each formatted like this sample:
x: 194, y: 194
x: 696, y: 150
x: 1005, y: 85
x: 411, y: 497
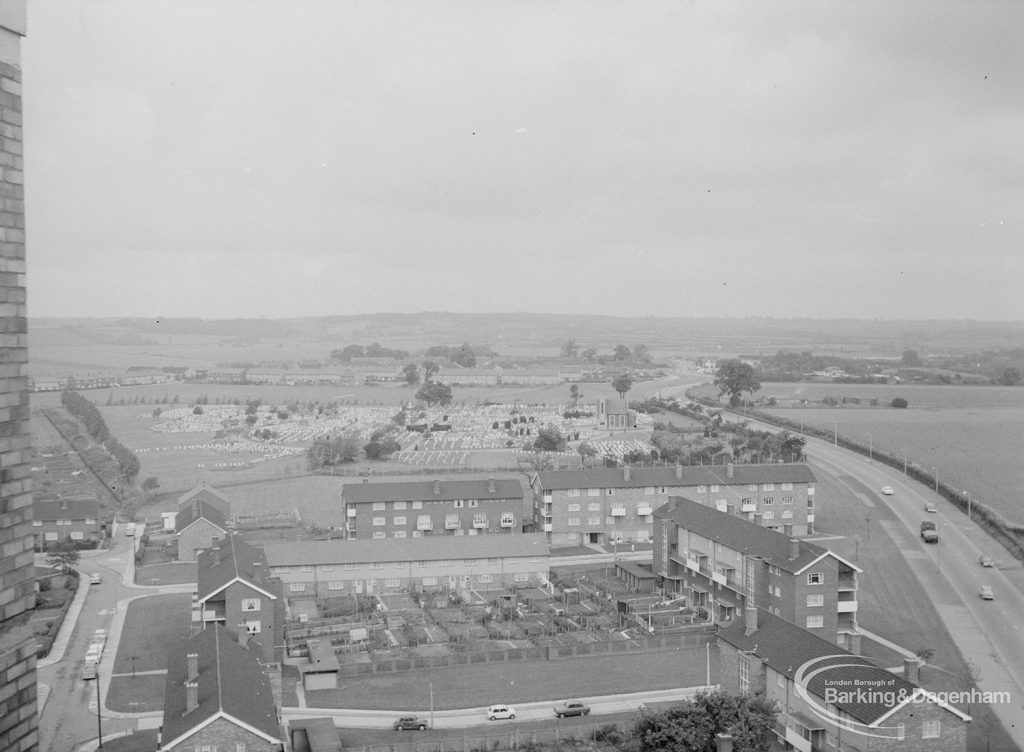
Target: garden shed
x: 322, y: 670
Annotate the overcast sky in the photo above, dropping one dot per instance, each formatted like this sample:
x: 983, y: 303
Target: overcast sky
x: 291, y: 158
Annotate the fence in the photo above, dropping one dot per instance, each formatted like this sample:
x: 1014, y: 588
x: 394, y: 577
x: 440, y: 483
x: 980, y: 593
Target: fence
x: 586, y: 733
x: 688, y: 640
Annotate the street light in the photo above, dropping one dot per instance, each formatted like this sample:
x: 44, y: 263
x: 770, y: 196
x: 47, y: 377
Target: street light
x: 835, y: 434
x: 935, y: 474
x: 133, y: 666
x: 904, y: 463
x: 99, y: 711
x: 871, y: 447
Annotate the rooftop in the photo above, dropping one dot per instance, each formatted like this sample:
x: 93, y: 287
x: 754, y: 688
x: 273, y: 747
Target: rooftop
x: 432, y: 490
x: 427, y: 548
x: 679, y: 475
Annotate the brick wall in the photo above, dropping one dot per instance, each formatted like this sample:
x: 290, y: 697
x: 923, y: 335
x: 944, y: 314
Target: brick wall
x: 226, y: 735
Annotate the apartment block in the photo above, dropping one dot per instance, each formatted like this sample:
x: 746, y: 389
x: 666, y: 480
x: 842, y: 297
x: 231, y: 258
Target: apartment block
x: 327, y: 569
x: 723, y: 563
x: 614, y: 505
x: 414, y: 509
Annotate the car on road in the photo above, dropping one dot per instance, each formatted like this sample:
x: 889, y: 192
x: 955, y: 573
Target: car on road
x: 985, y: 591
x: 95, y: 579
x: 986, y: 561
x: 571, y: 707
x: 129, y: 529
x: 887, y: 491
x: 495, y: 712
x: 929, y: 506
x: 928, y: 532
x: 411, y: 723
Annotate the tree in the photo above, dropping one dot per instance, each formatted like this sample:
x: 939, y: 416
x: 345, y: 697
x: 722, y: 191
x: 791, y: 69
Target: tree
x: 641, y: 353
x: 549, y: 439
x: 589, y: 354
x: 899, y: 402
x: 910, y: 358
x: 327, y: 452
x: 151, y: 483
x: 464, y: 356
x: 570, y: 349
x: 792, y: 446
x: 1010, y: 376
x: 621, y: 353
x: 63, y: 555
x: 346, y: 354
x: 411, y: 374
x: 429, y: 369
x: 734, y: 377
x: 433, y: 393
x: 691, y: 725
x: 574, y: 394
x: 622, y: 384
x: 197, y: 410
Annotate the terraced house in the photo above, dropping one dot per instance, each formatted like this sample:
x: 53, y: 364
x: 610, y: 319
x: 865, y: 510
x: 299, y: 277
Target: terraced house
x: 414, y: 509
x: 615, y: 505
x: 724, y: 564
x: 326, y: 569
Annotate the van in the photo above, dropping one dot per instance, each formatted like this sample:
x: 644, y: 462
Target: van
x: 129, y: 529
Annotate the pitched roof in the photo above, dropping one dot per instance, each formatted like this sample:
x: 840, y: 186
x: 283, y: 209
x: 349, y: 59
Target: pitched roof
x: 232, y: 685
x: 196, y: 510
x: 202, y: 491
x: 427, y: 548
x: 71, y: 509
x: 743, y: 535
x: 424, y: 490
x: 692, y: 475
x: 231, y: 560
x: 786, y: 648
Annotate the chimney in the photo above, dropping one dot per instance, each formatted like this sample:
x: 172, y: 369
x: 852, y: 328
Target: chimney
x: 723, y: 743
x: 679, y: 471
x: 794, y: 549
x: 192, y: 664
x: 191, y: 696
x: 625, y: 473
x: 911, y: 670
x: 750, y: 620
x: 730, y: 472
x: 490, y: 485
x: 437, y: 486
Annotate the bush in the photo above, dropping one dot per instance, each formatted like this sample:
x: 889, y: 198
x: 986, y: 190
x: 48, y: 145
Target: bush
x: 899, y: 402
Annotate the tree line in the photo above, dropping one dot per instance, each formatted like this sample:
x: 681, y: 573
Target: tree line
x: 97, y: 428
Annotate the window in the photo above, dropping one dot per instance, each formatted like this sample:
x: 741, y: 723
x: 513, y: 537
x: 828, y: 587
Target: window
x: 702, y: 489
x: 594, y: 507
x: 714, y: 488
x: 444, y: 562
x: 522, y: 577
x: 399, y: 534
x: 421, y: 564
x: 780, y: 680
x: 326, y: 567
x: 307, y: 568
x: 787, y: 514
x: 37, y: 523
x: 399, y: 520
x: 769, y: 515
x: 787, y: 486
x: 569, y: 508
x: 77, y: 535
x: 649, y: 491
x: 593, y: 520
x: 429, y: 581
x: 815, y: 600
x: 661, y: 490
x: 250, y: 604
x: 350, y: 567
x: 901, y: 731
x: 573, y: 521
x: 392, y: 582
x: 90, y: 521
x: 253, y: 627
x: 335, y: 585
x: 451, y: 521
x: 744, y: 675
x: 752, y: 487
x: 492, y: 562
x: 767, y: 486
x: 768, y: 500
x: 775, y: 610
x: 459, y: 503
x: 593, y: 492
x: 508, y: 519
x: 815, y: 578
x: 380, y: 535
x: 239, y: 746
x: 399, y: 564
x: 297, y: 587
x: 610, y: 491
x: 399, y: 506
x: 815, y: 622
x: 50, y: 536
x: 376, y: 565
x: 778, y: 591
x: 469, y: 562
x: 473, y: 503
x: 485, y: 578
x: 378, y: 521
x: 746, y: 500
x: 787, y: 499
x: 574, y: 492
x: 417, y: 505
x: 931, y: 729
x: 379, y: 506
x: 423, y: 522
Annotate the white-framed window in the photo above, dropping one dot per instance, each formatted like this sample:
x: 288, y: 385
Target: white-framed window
x: 473, y: 503
x: 376, y: 565
x: 702, y: 489
x: 810, y: 490
x: 714, y: 488
x: 769, y: 516
x: 522, y: 577
x: 594, y: 507
x: 568, y: 508
x: 400, y: 505
x: 815, y: 578
x: 399, y: 520
x: 250, y: 604
x: 297, y: 587
x: 593, y: 520
x: 815, y: 622
x: 573, y: 521
x: 778, y: 591
x: 239, y: 746
x: 752, y: 487
x: 444, y: 562
x: 787, y: 486
x: 380, y: 506
x: 400, y: 534
x: 393, y: 582
x: 399, y: 564
x: 746, y: 500
x: 780, y: 680
x: 253, y: 627
x: 77, y: 535
x: 816, y: 600
x: 326, y: 567
x: 451, y: 521
x: 379, y: 521
x: 379, y: 535
x: 744, y: 675
x: 50, y: 536
x: 350, y: 567
x: 649, y: 491
x: 767, y: 486
x: 787, y: 514
x: 830, y: 740
x: 280, y: 570
x: 470, y: 562
x: 787, y: 499
x: 492, y: 562
x: 90, y: 521
x: 479, y: 520
x: 485, y: 578
x: 429, y: 581
x: 37, y: 523
x: 768, y: 500
x: 593, y: 492
x: 775, y: 610
x: 508, y: 519
x: 610, y: 491
x: 459, y: 503
x: 423, y: 522
x: 421, y: 564
x: 417, y: 505
x: 306, y: 568
x: 931, y: 729
x: 335, y: 585
x: 574, y: 492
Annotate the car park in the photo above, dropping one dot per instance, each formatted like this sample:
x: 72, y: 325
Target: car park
x: 985, y: 591
x: 570, y: 708
x: 986, y: 561
x: 929, y: 506
x: 496, y: 712
x: 411, y: 723
x: 887, y: 491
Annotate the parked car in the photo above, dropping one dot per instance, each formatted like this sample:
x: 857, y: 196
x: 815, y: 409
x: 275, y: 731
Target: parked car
x: 95, y: 579
x: 129, y: 529
x: 99, y: 637
x: 887, y: 491
x: 986, y: 561
x: 92, y: 655
x: 89, y: 671
x: 985, y: 591
x: 571, y: 707
x: 411, y: 723
x: 929, y: 506
x: 494, y: 712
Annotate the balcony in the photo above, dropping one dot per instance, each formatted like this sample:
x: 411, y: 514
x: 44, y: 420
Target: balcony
x: 425, y: 525
x: 718, y: 577
x: 508, y: 522
x: 618, y: 512
x: 846, y: 607
x: 810, y: 518
x: 350, y: 512
x: 748, y: 507
x: 453, y: 525
x: 480, y: 524
x: 692, y: 565
x: 847, y: 581
x: 214, y: 612
x: 644, y: 510
x: 546, y: 513
x: 548, y: 527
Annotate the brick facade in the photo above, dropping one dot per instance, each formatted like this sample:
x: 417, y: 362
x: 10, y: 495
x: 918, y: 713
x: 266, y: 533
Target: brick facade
x: 226, y: 735
x: 18, y: 721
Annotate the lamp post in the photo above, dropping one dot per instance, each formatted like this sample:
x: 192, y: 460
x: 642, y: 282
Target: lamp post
x: 968, y: 495
x: 904, y: 463
x: 935, y: 475
x: 431, y: 705
x: 835, y: 434
x: 99, y: 712
x: 133, y: 666
x: 871, y: 447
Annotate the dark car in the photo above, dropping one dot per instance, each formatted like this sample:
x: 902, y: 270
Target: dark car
x: 411, y: 723
x: 572, y: 707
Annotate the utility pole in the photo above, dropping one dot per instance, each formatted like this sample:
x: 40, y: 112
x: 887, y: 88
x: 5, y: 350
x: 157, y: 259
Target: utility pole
x: 99, y: 711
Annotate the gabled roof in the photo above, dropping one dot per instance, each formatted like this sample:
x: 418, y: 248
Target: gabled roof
x: 742, y: 535
x: 231, y: 560
x: 691, y: 475
x: 202, y: 492
x: 79, y: 509
x: 232, y: 686
x: 787, y: 648
x: 196, y: 510
x: 424, y: 490
x: 427, y: 548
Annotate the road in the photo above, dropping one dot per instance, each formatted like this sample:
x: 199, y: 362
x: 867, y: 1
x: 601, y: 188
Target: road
x: 988, y: 633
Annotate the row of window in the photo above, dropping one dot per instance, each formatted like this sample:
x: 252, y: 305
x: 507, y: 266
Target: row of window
x: 713, y: 488
x: 596, y: 506
x: 39, y: 523
x: 398, y: 506
x: 577, y: 521
x: 394, y: 582
x: 425, y: 521
x: 348, y: 567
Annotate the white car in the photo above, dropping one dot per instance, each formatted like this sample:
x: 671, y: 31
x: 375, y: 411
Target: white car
x: 930, y: 507
x: 92, y: 655
x: 985, y: 591
x: 95, y: 579
x: 99, y: 637
x: 494, y: 712
x: 887, y: 491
